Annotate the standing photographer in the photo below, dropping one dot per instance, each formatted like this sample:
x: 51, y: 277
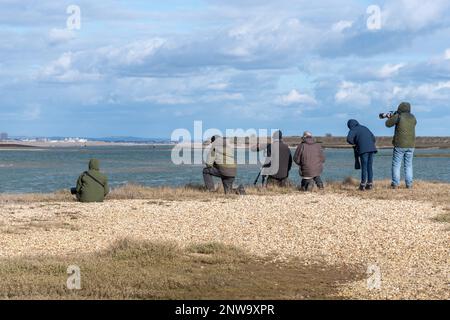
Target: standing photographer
x: 404, y: 143
x: 364, y: 141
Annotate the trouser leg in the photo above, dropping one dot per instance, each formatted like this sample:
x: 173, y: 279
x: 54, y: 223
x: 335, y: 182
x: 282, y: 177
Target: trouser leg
x: 307, y: 184
x: 318, y: 181
x: 408, y: 167
x: 208, y: 174
x: 370, y: 168
x: 364, y: 167
x: 397, y: 158
x: 227, y: 184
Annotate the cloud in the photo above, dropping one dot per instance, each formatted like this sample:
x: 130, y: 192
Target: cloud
x: 389, y: 70
x: 350, y: 92
x: 227, y: 56
x: 447, y: 54
x: 57, y: 36
x: 295, y: 97
x: 62, y: 70
x: 342, y: 25
x: 414, y: 14
x: 428, y: 91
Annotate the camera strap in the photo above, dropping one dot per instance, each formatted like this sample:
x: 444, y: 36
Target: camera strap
x: 93, y: 178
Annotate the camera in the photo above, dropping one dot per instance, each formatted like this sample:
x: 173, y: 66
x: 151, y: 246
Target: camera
x: 387, y: 115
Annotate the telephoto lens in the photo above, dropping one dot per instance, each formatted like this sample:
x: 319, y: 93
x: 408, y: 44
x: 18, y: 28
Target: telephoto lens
x: 386, y: 115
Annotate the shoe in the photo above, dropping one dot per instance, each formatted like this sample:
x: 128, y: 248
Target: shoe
x: 362, y: 187
x: 393, y: 186
x: 369, y: 186
x: 241, y: 190
x: 409, y: 187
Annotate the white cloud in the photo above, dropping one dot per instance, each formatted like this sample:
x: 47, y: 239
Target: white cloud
x: 165, y: 99
x: 295, y: 97
x: 426, y: 91
x: 56, y: 35
x: 218, y: 86
x: 350, y: 92
x: 447, y: 54
x: 134, y: 53
x: 414, y: 14
x: 62, y: 70
x: 342, y: 25
x: 389, y: 70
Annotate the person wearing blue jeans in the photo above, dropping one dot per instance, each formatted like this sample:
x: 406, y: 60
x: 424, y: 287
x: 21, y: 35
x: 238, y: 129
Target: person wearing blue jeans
x: 404, y: 143
x: 406, y: 156
x: 364, y: 142
x: 367, y: 169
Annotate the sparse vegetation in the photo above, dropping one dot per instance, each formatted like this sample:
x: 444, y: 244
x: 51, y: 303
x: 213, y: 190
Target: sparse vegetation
x: 436, y: 192
x: 144, y: 270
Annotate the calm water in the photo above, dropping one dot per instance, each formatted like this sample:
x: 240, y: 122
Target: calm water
x: 53, y: 169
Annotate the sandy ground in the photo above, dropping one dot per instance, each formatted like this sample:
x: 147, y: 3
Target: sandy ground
x: 400, y: 238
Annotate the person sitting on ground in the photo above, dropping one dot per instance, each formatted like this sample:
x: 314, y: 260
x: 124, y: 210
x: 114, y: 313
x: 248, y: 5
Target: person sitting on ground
x: 404, y: 143
x: 364, y: 141
x: 278, y: 161
x: 310, y: 158
x: 92, y: 185
x: 220, y: 163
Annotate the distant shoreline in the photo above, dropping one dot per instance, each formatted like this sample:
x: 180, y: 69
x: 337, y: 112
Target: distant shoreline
x: 327, y: 143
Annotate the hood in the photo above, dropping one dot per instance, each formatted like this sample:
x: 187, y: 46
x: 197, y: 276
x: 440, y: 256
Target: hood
x: 404, y: 107
x: 352, y: 124
x: 94, y: 164
x: 309, y: 140
x: 277, y: 136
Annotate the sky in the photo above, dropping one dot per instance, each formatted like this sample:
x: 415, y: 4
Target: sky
x: 146, y: 68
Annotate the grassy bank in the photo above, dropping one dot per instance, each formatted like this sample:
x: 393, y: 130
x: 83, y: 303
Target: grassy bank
x: 436, y: 192
x: 144, y: 270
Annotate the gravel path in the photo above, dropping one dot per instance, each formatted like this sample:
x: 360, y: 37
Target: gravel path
x: 411, y: 251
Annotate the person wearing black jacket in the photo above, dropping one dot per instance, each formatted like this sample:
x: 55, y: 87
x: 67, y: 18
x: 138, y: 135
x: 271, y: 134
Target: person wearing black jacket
x: 278, y: 161
x: 364, y: 141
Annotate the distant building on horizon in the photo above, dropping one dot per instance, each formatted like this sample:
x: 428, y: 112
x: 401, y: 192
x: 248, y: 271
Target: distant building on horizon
x: 3, y: 136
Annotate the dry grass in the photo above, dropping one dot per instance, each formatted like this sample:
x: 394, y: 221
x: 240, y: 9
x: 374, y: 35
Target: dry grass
x: 438, y: 193
x: 143, y: 270
x: 435, y: 192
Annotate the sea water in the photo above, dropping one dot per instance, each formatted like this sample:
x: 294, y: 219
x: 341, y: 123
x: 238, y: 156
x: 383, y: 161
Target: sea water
x: 47, y: 170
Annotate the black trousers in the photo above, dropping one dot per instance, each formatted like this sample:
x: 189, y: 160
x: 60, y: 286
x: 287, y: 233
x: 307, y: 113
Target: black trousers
x: 308, y: 184
x: 210, y: 172
x: 277, y: 182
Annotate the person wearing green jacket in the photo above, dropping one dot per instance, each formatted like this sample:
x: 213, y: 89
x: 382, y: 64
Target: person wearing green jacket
x: 404, y: 143
x: 92, y: 185
x: 220, y: 163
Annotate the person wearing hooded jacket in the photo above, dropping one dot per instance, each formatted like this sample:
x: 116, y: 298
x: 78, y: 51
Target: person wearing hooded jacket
x: 278, y: 161
x: 364, y: 141
x: 310, y: 158
x: 92, y: 185
x: 404, y: 143
x: 220, y: 163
